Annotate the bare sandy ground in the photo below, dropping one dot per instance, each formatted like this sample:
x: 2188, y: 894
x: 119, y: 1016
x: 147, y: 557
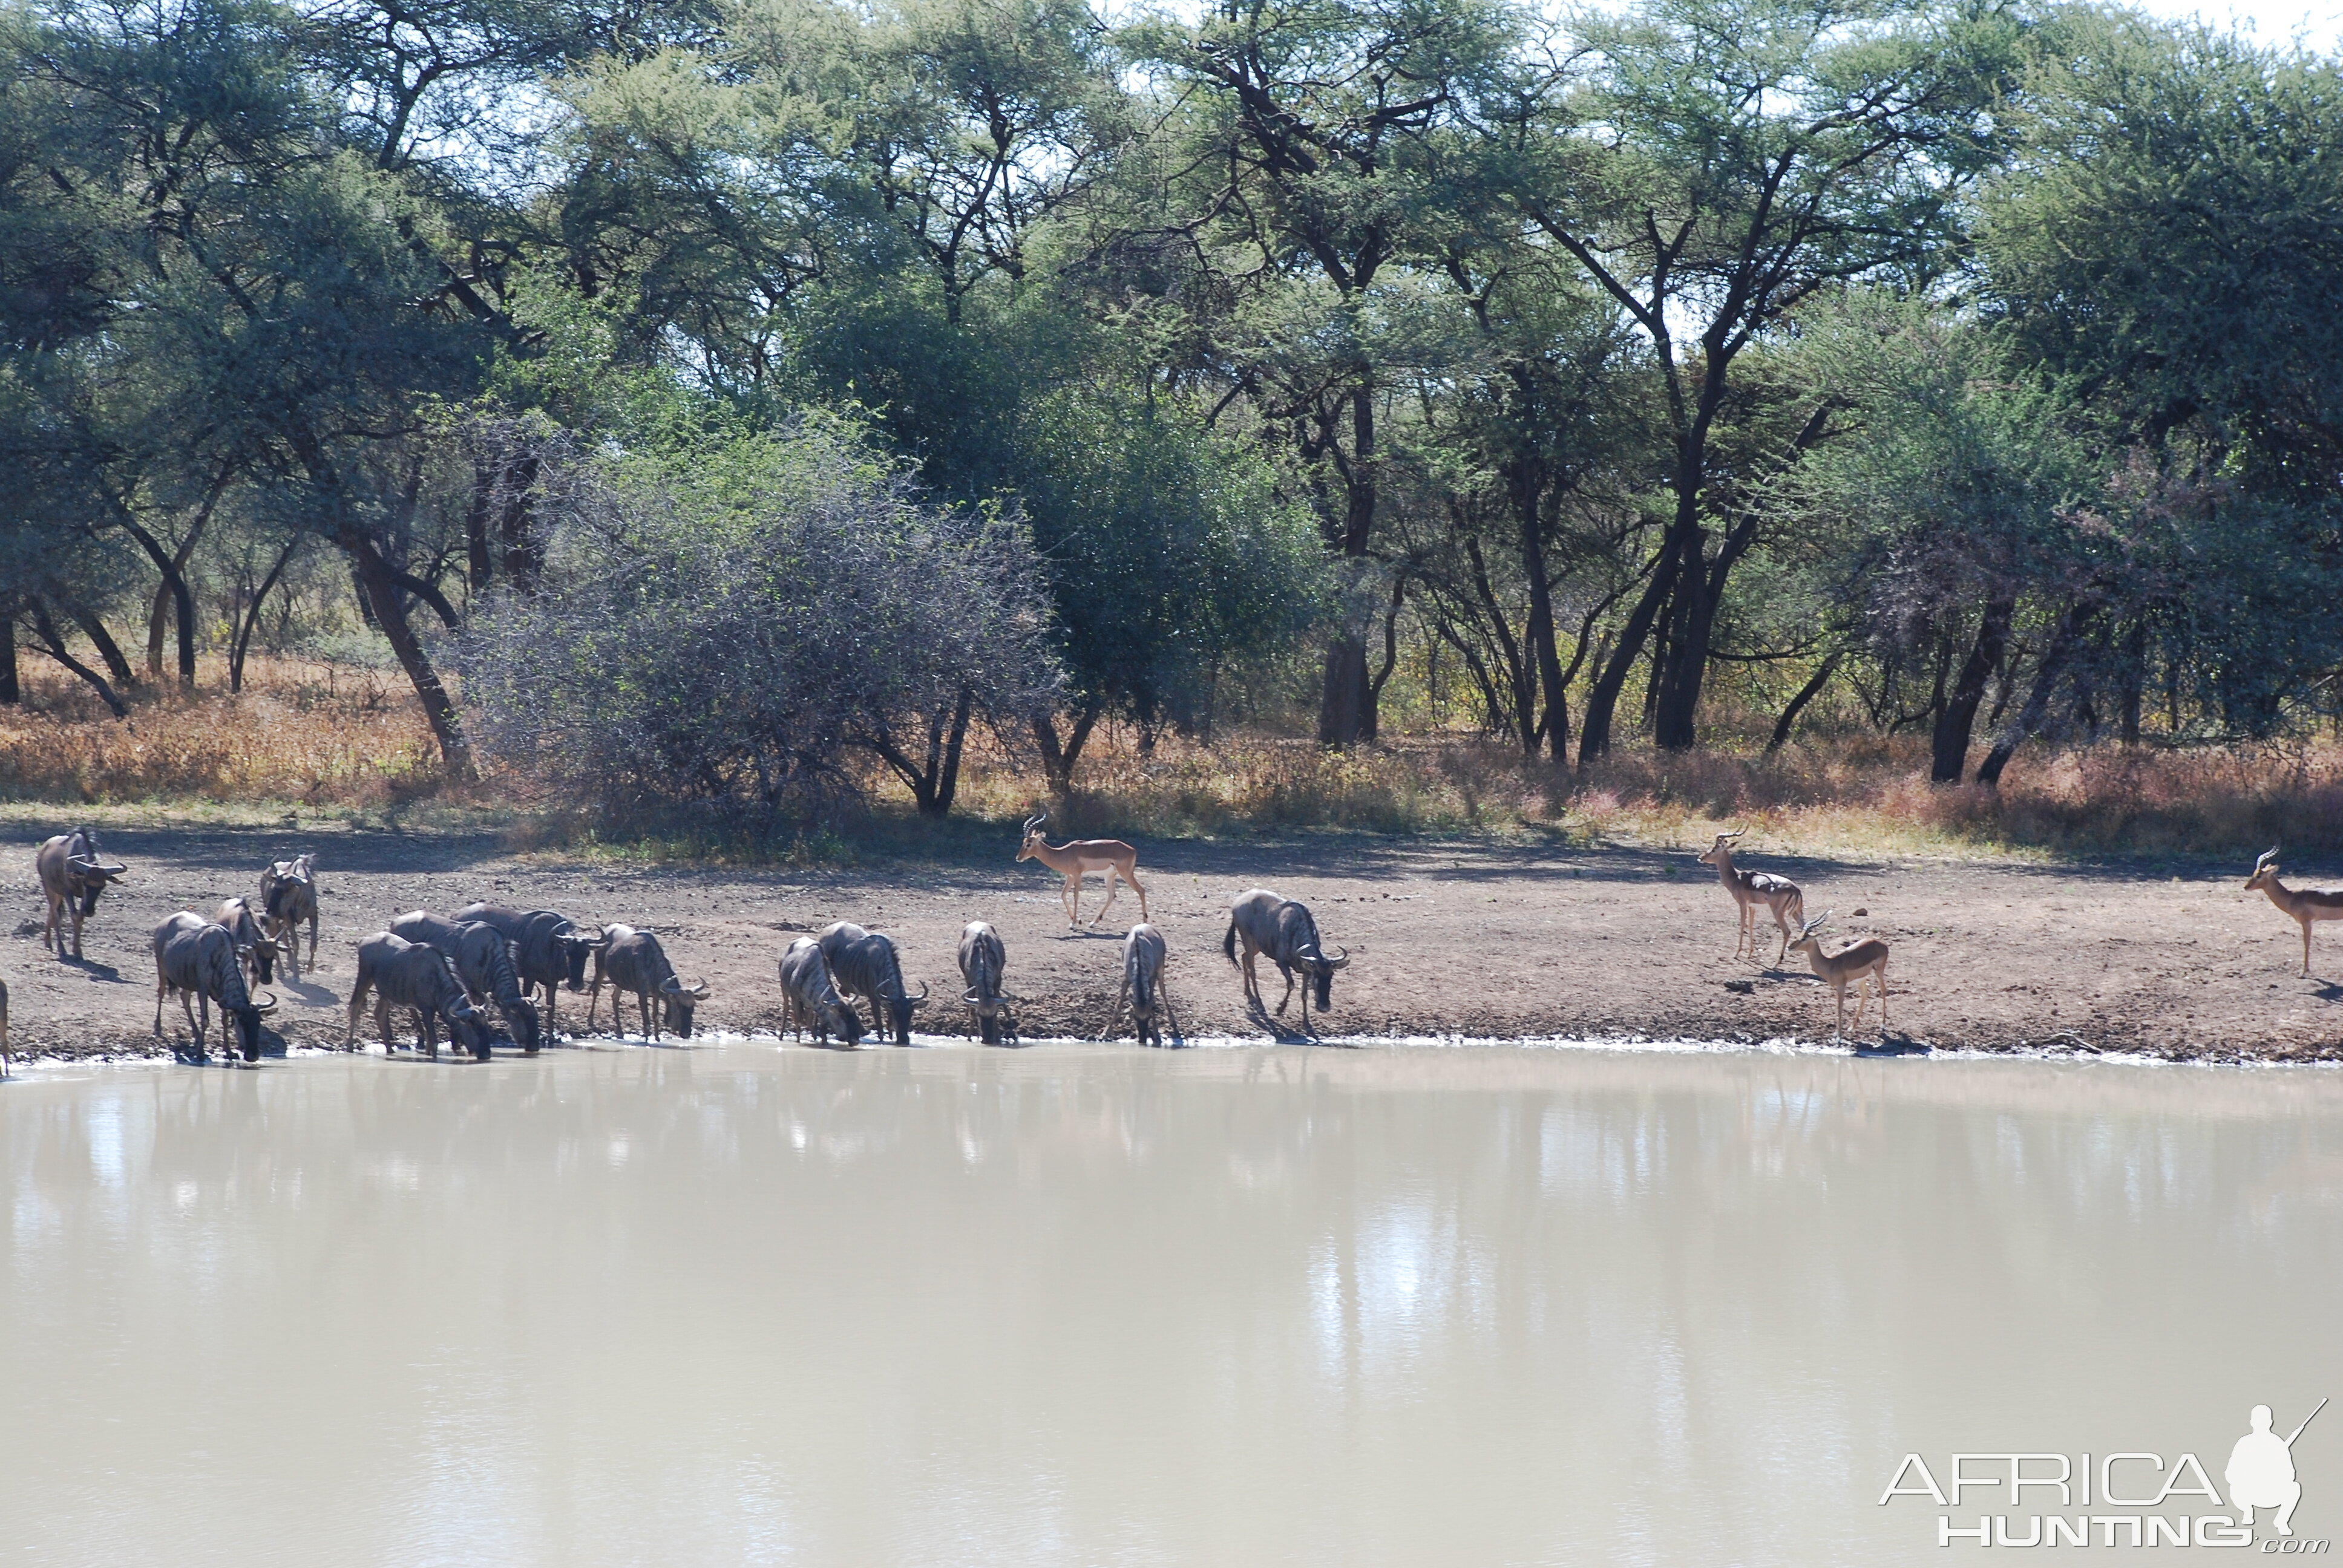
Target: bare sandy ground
x: 1449, y: 937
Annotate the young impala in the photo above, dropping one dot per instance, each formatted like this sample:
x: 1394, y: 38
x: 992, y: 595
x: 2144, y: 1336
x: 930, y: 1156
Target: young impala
x: 2304, y: 904
x: 1857, y: 961
x: 1070, y: 861
x: 1751, y: 889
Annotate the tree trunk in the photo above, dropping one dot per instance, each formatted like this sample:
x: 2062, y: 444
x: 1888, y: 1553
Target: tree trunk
x: 381, y: 596
x: 1957, y: 718
x: 1602, y: 701
x: 475, y: 527
x: 252, y: 617
x: 1346, y: 712
x: 524, y: 551
x: 1527, y: 492
x: 1058, y: 759
x: 103, y: 640
x: 11, y: 693
x: 2037, y: 700
x: 1807, y: 694
x: 175, y: 582
x: 54, y: 647
x: 943, y: 770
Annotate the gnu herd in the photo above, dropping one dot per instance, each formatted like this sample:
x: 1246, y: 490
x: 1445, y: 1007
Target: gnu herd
x: 484, y: 972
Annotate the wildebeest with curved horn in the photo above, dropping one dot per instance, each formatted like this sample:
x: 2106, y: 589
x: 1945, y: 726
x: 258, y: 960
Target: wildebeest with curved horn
x: 866, y: 964
x: 548, y: 950
x: 633, y: 960
x: 254, y: 947
x: 983, y: 960
x: 197, y: 960
x: 410, y: 974
x: 1142, y: 984
x: 1284, y: 931
x: 72, y: 874
x: 483, y: 962
x: 288, y: 896
x: 810, y: 999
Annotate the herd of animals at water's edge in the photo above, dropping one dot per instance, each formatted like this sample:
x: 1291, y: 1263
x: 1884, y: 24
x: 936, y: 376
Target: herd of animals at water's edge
x: 492, y: 974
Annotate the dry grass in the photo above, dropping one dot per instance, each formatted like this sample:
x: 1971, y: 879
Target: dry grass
x: 314, y: 735
x: 334, y: 739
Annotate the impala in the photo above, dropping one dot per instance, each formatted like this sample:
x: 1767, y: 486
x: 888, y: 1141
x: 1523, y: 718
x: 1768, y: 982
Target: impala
x: 1862, y: 960
x: 2304, y: 904
x: 1751, y: 889
x: 1073, y: 859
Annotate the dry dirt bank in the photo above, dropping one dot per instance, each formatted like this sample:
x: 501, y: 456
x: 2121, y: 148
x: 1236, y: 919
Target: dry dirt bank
x: 1449, y: 937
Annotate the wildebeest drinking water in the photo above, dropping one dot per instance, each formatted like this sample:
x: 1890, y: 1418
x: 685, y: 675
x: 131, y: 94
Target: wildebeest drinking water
x: 1284, y: 931
x: 632, y: 960
x: 866, y: 964
x: 809, y: 998
x: 548, y: 950
x: 72, y: 874
x: 1142, y: 984
x: 483, y: 962
x: 410, y: 974
x: 983, y: 960
x: 288, y: 896
x: 257, y: 950
x: 197, y: 960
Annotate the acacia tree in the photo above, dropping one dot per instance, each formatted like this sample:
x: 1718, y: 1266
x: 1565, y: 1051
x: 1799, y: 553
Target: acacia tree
x: 1710, y: 164
x: 1295, y: 176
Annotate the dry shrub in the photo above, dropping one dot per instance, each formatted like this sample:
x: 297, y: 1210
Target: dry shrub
x: 314, y: 734
x: 1181, y: 788
x: 1873, y: 791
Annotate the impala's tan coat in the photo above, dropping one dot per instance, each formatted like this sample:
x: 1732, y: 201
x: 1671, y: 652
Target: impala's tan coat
x: 1751, y: 889
x: 2307, y: 905
x: 1073, y: 859
x: 1862, y: 961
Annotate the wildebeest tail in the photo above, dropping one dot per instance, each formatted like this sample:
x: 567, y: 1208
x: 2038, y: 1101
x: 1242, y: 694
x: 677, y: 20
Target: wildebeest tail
x: 1229, y: 942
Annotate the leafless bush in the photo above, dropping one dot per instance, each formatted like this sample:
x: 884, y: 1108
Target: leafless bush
x: 732, y: 629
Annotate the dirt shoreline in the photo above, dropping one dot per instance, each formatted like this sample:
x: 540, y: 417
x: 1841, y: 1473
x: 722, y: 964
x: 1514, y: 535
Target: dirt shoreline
x: 1450, y: 937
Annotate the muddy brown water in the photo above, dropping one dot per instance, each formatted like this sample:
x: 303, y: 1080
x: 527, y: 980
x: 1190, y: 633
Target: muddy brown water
x: 745, y: 1304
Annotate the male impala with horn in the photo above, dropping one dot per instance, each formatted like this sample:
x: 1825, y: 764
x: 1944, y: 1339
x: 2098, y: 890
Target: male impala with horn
x: 72, y: 874
x: 1071, y: 859
x: 1283, y: 930
x: 2307, y: 905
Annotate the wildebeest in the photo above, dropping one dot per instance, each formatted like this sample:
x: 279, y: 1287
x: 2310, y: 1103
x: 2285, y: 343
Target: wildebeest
x: 1142, y: 984
x: 1283, y: 930
x: 865, y: 964
x: 983, y: 963
x: 252, y: 946
x: 482, y: 961
x: 632, y: 960
x: 548, y: 950
x: 72, y: 874
x: 810, y: 999
x: 288, y: 896
x: 410, y: 974
x: 197, y: 960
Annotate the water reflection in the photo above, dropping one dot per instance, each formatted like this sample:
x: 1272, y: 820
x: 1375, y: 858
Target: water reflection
x: 741, y: 1304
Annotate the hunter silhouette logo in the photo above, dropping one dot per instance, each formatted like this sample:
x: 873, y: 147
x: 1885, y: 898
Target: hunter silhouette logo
x: 2127, y: 1499
x: 2261, y: 1470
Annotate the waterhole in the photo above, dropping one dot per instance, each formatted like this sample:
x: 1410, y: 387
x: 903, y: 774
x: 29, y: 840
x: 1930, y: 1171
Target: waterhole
x: 742, y: 1305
